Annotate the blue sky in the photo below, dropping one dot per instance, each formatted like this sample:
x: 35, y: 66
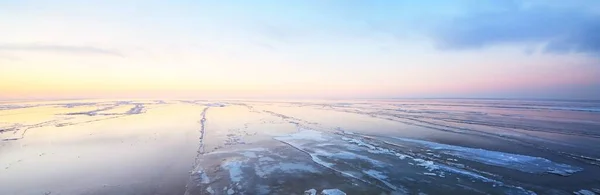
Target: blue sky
x: 514, y: 49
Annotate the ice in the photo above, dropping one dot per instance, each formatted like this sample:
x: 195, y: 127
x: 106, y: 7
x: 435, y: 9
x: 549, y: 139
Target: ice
x: 349, y: 147
x: 373, y: 149
x: 584, y: 192
x: 519, y: 162
x: 310, y: 192
x: 264, y: 170
x: 137, y: 109
x: 210, y: 190
x: 249, y: 154
x: 429, y: 165
x: 216, y: 104
x: 348, y: 132
x: 349, y: 156
x: 203, y: 177
x: 376, y: 174
x: 332, y: 192
x: 263, y: 189
x: 304, y: 135
x: 235, y: 170
x: 265, y: 159
x: 349, y: 152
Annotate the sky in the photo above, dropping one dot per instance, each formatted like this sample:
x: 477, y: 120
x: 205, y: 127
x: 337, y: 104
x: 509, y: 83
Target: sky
x: 548, y: 49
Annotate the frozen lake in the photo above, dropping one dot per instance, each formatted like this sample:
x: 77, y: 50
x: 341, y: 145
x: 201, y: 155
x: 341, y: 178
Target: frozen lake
x: 455, y: 146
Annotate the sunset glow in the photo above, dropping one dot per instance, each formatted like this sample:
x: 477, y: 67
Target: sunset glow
x: 297, y: 49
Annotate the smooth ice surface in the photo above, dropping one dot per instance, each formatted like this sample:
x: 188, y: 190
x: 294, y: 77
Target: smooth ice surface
x: 305, y: 134
x: 197, y: 147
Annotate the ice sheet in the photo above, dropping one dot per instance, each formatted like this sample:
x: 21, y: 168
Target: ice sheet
x: 519, y: 162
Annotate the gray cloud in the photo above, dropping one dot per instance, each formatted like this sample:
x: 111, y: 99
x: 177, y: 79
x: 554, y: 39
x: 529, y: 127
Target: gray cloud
x: 60, y: 48
x: 563, y: 30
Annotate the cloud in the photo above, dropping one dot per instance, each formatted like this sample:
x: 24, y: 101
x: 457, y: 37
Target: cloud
x: 562, y: 29
x: 59, y: 48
